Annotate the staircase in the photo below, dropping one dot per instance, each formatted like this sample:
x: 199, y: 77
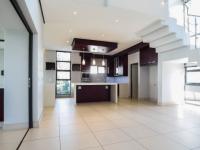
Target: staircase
x: 166, y: 35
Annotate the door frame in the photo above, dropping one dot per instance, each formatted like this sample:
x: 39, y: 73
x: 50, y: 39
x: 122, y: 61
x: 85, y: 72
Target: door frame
x: 19, y: 11
x: 131, y: 86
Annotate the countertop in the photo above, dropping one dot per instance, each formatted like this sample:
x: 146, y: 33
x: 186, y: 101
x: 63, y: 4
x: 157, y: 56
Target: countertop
x: 94, y: 83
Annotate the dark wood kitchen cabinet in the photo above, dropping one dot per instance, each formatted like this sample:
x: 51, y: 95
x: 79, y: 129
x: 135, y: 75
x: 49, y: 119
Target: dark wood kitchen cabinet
x: 148, y: 56
x: 110, y: 66
x: 1, y: 104
x: 121, y: 65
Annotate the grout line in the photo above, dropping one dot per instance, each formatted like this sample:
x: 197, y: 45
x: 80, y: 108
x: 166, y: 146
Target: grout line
x: 22, y: 139
x: 93, y: 134
x: 59, y: 130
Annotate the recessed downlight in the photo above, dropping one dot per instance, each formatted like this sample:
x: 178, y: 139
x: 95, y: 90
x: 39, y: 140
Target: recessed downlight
x: 163, y: 2
x: 116, y: 20
x: 75, y: 12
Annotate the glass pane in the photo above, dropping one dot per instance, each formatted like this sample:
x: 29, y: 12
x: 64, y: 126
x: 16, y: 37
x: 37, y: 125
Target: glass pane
x: 63, y: 56
x: 193, y: 77
x: 63, y: 87
x: 101, y: 70
x: 14, y: 73
x: 63, y: 66
x: 63, y: 75
x: 193, y: 68
x: 93, y: 69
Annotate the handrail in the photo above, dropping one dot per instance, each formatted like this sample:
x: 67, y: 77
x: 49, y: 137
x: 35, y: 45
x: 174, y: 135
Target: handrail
x: 190, y: 26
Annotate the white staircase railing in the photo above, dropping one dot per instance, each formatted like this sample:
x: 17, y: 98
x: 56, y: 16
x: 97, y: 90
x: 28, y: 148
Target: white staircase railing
x: 192, y: 26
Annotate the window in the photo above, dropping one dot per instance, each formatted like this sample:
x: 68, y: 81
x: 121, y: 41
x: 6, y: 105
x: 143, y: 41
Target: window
x: 63, y: 65
x: 93, y: 69
x: 63, y: 56
x: 101, y: 70
x: 193, y: 75
x: 63, y: 74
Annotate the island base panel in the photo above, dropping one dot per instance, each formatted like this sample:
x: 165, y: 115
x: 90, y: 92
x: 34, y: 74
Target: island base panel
x: 92, y: 93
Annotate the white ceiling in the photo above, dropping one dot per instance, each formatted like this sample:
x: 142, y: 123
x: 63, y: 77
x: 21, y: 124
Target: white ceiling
x: 96, y: 21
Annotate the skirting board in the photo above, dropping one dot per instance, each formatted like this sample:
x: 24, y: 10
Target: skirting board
x: 16, y: 126
x: 1, y: 124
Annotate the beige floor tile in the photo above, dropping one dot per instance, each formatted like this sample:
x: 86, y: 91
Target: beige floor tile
x: 78, y: 141
x: 139, y: 132
x: 101, y: 126
x: 9, y: 146
x: 111, y: 136
x: 42, y: 144
x: 131, y: 145
x: 161, y: 143
x: 195, y: 130
x: 186, y: 138
x: 126, y: 122
x: 49, y: 124
x: 39, y: 133
x: 115, y: 126
x: 74, y: 129
x: 11, y: 136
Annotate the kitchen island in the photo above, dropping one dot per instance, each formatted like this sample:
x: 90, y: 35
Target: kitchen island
x: 95, y: 92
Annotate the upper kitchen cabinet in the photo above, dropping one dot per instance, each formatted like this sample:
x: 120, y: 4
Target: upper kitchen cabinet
x: 110, y: 66
x: 148, y: 56
x: 118, y: 66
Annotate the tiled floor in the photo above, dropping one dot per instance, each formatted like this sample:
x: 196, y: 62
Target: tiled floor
x: 9, y: 140
x: 124, y: 126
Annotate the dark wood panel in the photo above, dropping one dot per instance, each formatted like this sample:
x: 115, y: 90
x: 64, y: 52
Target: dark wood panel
x: 82, y: 44
x: 110, y: 66
x: 92, y: 93
x: 1, y: 104
x: 133, y: 49
x: 148, y: 56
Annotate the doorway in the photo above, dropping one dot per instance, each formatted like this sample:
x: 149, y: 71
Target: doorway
x: 134, y: 81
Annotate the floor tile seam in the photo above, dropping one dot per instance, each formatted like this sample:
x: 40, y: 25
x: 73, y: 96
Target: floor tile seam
x: 133, y: 139
x: 40, y: 139
x: 178, y: 142
x: 94, y: 135
x: 60, y: 146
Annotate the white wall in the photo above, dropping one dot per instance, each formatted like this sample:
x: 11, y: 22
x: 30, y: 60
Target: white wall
x: 16, y: 78
x: 178, y: 56
x: 49, y: 79
x: 1, y: 67
x: 173, y: 83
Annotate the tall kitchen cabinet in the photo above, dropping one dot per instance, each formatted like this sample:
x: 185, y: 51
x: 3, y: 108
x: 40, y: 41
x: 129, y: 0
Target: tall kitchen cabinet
x: 118, y: 65
x: 1, y: 104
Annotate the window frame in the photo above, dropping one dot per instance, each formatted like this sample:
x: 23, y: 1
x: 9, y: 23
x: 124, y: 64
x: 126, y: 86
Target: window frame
x: 100, y: 67
x: 59, y: 70
x: 187, y: 71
